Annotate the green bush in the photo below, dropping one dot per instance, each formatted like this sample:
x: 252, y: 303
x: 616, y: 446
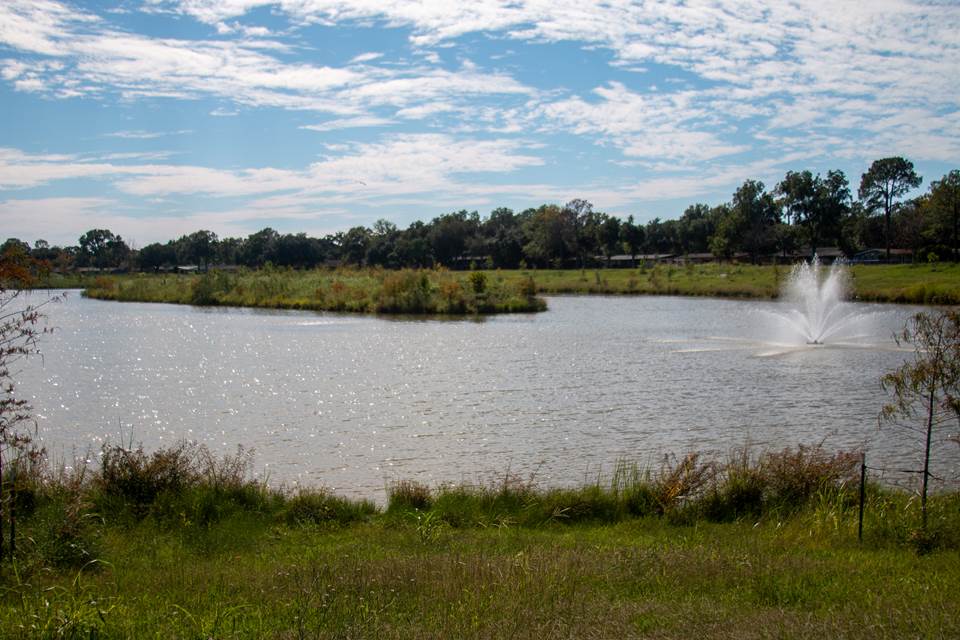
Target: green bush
x: 319, y: 507
x: 408, y: 494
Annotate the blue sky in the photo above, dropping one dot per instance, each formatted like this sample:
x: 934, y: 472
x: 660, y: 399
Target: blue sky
x: 156, y: 118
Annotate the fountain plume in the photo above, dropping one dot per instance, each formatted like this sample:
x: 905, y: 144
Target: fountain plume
x: 815, y: 310
x: 817, y: 299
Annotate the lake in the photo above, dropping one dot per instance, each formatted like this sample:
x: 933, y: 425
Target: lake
x: 353, y: 402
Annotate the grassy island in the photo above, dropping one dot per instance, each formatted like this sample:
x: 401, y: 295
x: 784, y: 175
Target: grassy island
x: 406, y: 291
x: 429, y: 291
x: 179, y: 544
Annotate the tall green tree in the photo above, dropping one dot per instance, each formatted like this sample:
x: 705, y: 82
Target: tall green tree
x: 945, y: 201
x: 696, y: 225
x: 816, y: 205
x: 199, y: 248
x: 102, y: 249
x: 759, y: 214
x: 608, y: 235
x: 552, y: 236
x: 887, y: 180
x: 631, y: 237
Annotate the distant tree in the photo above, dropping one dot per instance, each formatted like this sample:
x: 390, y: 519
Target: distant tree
x: 228, y: 250
x: 726, y: 239
x: 43, y: 251
x: 382, y: 250
x: 200, y: 248
x: 552, y: 235
x: 353, y: 245
x: 93, y: 246
x: 884, y: 182
x: 631, y: 237
x: 413, y: 246
x: 911, y: 226
x: 102, y: 249
x: 258, y: 248
x: 154, y: 256
x: 608, y: 235
x: 786, y: 238
x: 655, y: 239
x: 696, y: 225
x: 15, y: 244
x: 296, y: 250
x: 758, y: 214
x: 926, y: 390
x: 945, y: 202
x: 586, y: 228
x: 450, y: 233
x: 503, y: 238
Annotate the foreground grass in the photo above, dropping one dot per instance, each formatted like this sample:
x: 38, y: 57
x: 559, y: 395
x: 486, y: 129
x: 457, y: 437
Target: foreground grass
x: 644, y: 578
x: 459, y: 293
x: 178, y: 545
x: 406, y: 291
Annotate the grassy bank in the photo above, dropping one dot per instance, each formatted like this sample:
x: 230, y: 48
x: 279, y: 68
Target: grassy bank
x: 179, y: 544
x: 459, y: 293
x: 367, y: 291
x: 919, y: 284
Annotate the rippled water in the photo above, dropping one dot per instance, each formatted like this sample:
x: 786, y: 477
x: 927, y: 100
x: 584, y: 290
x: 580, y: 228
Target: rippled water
x: 351, y: 402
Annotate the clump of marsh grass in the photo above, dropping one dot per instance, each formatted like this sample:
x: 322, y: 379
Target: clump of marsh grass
x: 408, y: 494
x: 319, y: 507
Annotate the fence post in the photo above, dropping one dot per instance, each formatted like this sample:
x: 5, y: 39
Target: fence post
x: 863, y: 494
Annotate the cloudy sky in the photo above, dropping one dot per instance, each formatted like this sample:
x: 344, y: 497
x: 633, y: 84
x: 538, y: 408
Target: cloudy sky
x: 155, y: 118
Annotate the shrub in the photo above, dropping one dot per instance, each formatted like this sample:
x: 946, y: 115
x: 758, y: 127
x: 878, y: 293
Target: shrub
x: 478, y: 281
x: 408, y: 494
x: 405, y: 291
x: 320, y: 507
x: 679, y: 482
x: 137, y: 478
x: 793, y: 476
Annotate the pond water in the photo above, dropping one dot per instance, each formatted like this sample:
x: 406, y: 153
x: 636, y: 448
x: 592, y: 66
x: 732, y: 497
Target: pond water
x: 353, y: 402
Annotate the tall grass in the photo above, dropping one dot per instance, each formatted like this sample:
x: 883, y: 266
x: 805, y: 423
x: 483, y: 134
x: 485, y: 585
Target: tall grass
x: 406, y: 291
x: 181, y: 543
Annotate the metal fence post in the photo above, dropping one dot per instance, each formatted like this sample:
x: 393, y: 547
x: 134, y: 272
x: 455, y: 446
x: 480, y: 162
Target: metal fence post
x: 863, y: 494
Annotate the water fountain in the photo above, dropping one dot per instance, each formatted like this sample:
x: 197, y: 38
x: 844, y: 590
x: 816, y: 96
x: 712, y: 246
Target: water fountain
x: 817, y: 311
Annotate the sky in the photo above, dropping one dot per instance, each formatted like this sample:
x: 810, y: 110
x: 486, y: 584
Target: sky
x: 157, y: 118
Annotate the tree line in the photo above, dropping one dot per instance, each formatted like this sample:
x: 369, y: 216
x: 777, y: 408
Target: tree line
x: 801, y: 213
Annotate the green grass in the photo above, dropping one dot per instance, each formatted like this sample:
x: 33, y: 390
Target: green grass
x: 178, y: 544
x: 465, y: 293
x: 405, y: 291
x: 918, y: 284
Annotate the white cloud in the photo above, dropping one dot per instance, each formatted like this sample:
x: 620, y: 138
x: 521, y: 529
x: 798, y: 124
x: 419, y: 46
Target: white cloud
x: 146, y: 135
x: 399, y: 164
x: 348, y: 123
x: 366, y: 57
x: 896, y: 54
x: 92, y: 59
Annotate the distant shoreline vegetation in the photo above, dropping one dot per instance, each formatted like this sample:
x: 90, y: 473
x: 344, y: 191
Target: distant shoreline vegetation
x: 801, y: 215
x: 404, y: 291
x: 463, y: 293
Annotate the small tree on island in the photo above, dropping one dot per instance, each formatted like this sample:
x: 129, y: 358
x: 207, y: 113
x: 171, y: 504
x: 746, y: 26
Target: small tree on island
x: 20, y: 327
x: 926, y: 389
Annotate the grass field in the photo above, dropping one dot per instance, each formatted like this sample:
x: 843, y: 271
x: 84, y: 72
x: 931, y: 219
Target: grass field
x: 920, y: 284
x: 473, y: 292
x: 161, y: 546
